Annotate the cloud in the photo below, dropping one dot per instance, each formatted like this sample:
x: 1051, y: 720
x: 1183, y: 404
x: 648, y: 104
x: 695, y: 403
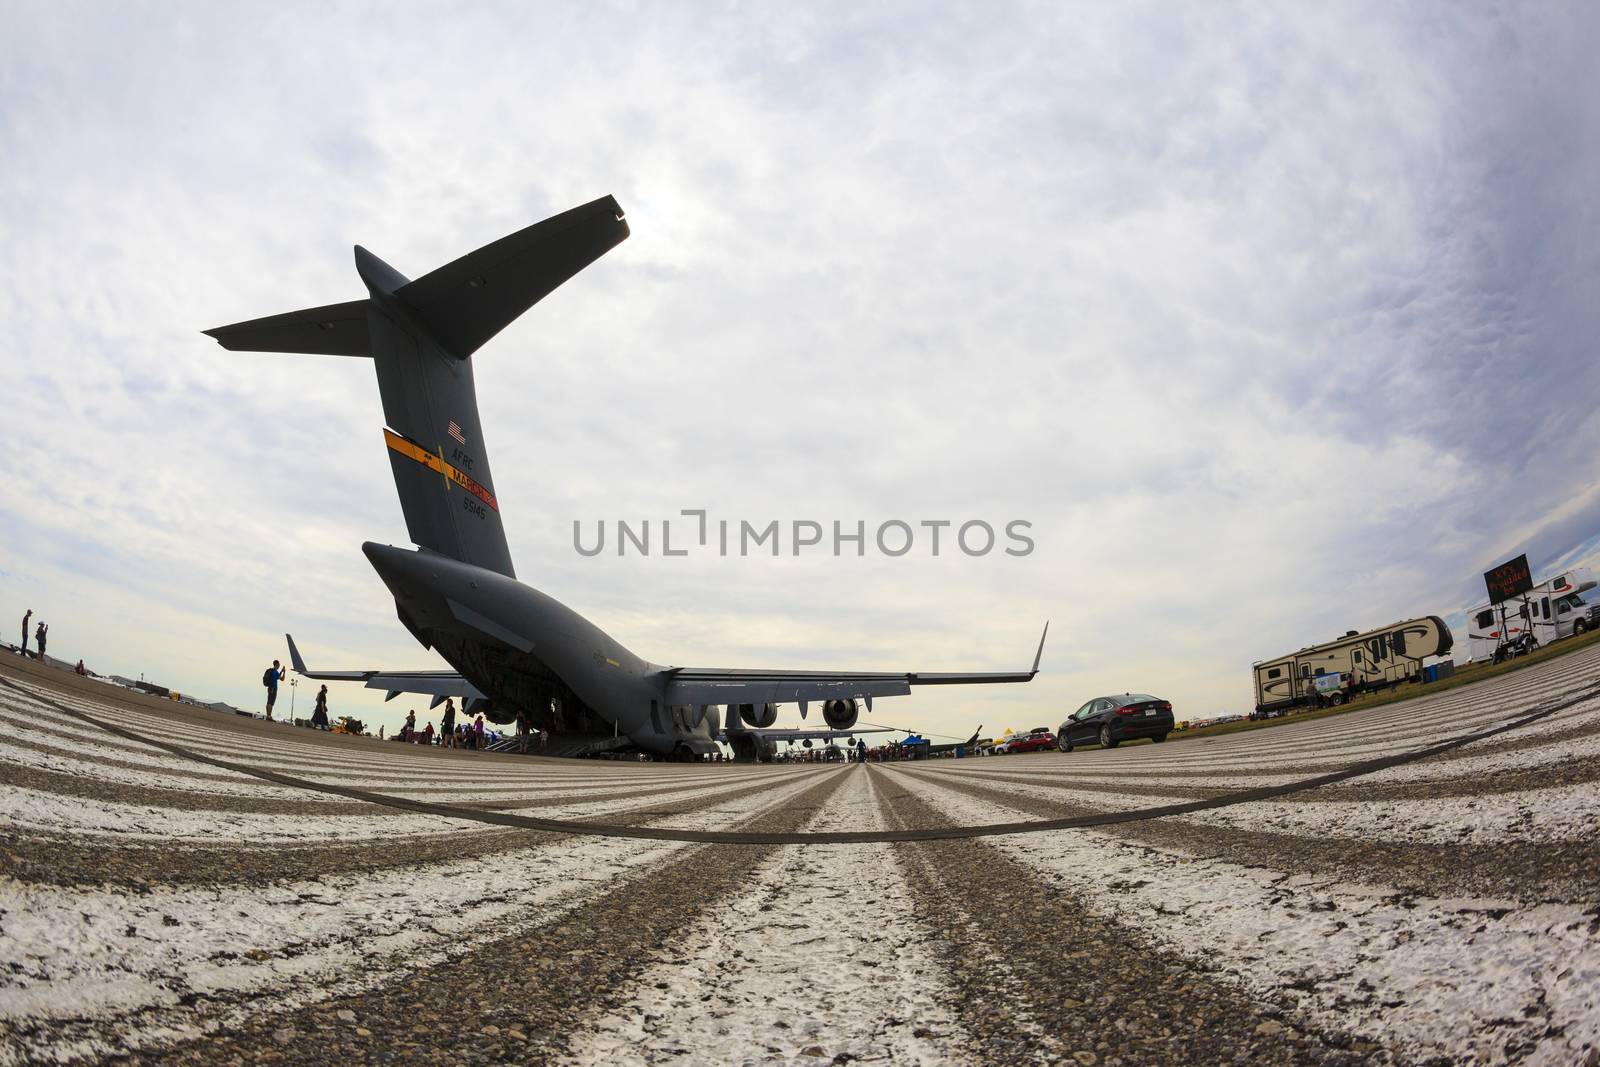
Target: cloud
x: 1273, y: 324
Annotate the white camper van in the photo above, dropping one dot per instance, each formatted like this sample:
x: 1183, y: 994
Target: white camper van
x: 1369, y: 660
x: 1549, y: 611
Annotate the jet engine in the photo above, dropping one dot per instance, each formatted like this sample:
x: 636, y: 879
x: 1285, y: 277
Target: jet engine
x: 840, y: 714
x: 760, y: 716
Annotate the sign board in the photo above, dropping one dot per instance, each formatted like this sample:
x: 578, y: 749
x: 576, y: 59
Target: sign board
x: 1508, y: 580
x: 1328, y: 683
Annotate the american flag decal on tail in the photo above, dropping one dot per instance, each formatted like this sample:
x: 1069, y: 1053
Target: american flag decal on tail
x: 455, y: 433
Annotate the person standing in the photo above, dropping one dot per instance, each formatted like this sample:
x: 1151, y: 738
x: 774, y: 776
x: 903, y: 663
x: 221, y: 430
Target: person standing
x: 25, y: 617
x: 273, y: 675
x: 477, y: 732
x: 447, y: 725
x: 522, y: 731
x: 410, y: 725
x: 427, y: 734
x: 861, y: 750
x: 41, y: 632
x: 319, y: 714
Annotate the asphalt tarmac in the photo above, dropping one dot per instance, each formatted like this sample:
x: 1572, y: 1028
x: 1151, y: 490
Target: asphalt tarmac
x: 257, y: 908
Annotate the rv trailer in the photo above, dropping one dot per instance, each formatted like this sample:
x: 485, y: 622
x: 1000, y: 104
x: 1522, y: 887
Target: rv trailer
x: 1549, y: 611
x: 1370, y: 660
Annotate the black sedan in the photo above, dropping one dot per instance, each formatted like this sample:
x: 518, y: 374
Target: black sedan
x: 1109, y: 721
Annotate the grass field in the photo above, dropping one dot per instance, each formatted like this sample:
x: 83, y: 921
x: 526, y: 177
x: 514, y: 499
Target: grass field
x: 1464, y: 675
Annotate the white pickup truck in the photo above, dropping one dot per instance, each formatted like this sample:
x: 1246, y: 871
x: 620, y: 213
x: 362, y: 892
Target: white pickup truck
x: 1574, y: 615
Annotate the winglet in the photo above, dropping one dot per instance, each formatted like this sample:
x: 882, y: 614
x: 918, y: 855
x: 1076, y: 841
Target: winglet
x: 294, y: 657
x: 1037, y: 656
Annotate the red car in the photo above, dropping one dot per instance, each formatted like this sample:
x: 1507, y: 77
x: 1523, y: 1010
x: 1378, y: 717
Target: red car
x: 1039, y: 739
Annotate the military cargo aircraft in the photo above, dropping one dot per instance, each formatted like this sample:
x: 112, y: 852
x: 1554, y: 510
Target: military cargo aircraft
x: 514, y: 649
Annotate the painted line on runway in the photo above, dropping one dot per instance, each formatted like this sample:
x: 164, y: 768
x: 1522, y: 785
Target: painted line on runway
x: 734, y: 837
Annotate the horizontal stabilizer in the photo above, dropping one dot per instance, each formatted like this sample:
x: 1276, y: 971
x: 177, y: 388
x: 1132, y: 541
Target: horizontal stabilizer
x: 468, y: 301
x: 334, y: 330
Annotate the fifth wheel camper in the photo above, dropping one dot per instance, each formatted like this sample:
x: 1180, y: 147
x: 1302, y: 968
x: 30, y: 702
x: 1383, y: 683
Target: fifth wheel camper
x: 1385, y: 656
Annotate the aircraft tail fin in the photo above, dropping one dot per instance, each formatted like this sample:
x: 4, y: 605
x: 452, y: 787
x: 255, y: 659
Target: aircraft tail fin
x: 421, y: 336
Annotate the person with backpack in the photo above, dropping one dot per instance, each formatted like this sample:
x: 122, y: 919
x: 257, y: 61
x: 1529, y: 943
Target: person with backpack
x: 40, y: 632
x: 273, y: 675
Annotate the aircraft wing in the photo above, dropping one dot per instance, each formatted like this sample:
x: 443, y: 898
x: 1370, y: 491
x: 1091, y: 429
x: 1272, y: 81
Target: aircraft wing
x: 783, y: 734
x: 434, y: 684
x: 697, y: 685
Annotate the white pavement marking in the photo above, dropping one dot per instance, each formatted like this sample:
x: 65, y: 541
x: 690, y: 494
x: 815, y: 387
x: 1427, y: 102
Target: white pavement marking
x: 292, y: 754
x: 34, y: 812
x: 547, y: 799
x: 223, y: 784
x: 1561, y: 813
x: 815, y: 952
x: 1469, y: 761
x: 112, y: 970
x: 1468, y: 979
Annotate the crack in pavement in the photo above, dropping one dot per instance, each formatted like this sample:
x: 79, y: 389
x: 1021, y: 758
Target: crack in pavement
x: 1039, y: 969
x: 522, y: 997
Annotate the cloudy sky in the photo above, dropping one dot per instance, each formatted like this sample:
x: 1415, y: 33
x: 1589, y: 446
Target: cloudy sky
x: 1272, y: 322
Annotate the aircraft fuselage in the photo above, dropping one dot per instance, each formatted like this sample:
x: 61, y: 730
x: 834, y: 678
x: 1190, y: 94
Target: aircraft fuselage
x: 524, y: 649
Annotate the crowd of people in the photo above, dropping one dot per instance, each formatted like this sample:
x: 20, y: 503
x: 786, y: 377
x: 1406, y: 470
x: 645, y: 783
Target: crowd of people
x: 893, y: 752
x: 454, y: 729
x: 475, y: 735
